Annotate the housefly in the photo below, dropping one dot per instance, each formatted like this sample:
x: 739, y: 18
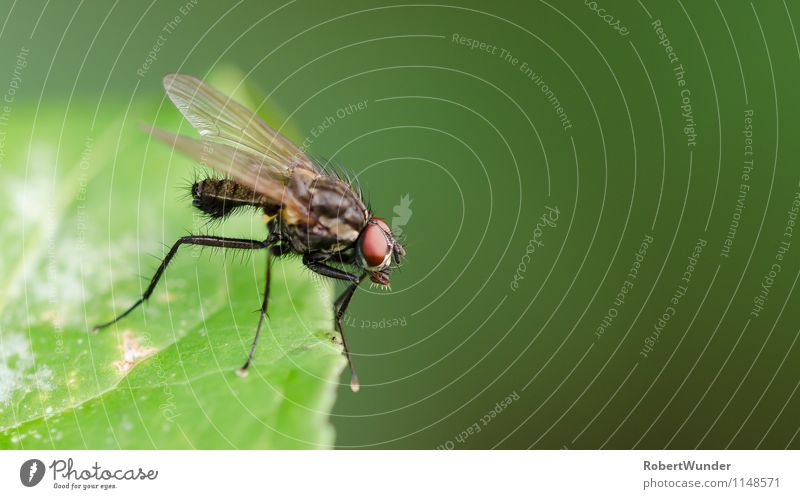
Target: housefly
x: 309, y: 210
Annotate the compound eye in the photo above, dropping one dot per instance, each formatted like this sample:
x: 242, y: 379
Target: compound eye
x: 374, y: 245
x: 382, y: 225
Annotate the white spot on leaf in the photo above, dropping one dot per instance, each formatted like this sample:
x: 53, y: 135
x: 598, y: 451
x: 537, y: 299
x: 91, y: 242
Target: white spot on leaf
x: 132, y: 352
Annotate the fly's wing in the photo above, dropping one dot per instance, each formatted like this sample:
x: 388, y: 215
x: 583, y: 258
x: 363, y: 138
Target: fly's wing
x: 236, y: 142
x: 232, y: 162
x: 219, y: 118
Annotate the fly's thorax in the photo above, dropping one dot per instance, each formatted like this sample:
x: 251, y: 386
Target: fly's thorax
x: 336, y: 214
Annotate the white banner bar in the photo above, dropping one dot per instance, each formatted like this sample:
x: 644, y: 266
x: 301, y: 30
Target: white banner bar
x: 383, y: 474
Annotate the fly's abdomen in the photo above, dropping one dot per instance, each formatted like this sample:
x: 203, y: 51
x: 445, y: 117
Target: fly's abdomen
x: 220, y: 197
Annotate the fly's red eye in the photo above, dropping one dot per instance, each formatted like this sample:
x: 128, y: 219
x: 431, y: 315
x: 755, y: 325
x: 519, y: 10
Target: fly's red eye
x: 382, y: 224
x: 374, y: 246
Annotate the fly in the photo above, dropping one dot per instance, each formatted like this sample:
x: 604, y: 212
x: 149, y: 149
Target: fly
x: 309, y: 211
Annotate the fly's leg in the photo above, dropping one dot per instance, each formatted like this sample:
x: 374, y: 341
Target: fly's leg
x: 273, y: 251
x: 340, y: 305
x: 217, y: 242
x: 328, y: 271
x: 344, y: 258
x: 339, y: 309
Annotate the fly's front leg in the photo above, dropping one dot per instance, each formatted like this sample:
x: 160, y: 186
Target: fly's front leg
x: 340, y: 305
x: 217, y: 242
x: 339, y: 309
x: 344, y: 258
x: 328, y: 271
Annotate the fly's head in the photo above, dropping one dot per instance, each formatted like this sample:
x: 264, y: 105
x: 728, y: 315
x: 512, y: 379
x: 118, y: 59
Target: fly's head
x: 377, y: 250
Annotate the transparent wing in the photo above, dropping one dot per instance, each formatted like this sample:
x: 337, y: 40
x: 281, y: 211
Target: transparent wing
x: 220, y: 119
x: 239, y: 164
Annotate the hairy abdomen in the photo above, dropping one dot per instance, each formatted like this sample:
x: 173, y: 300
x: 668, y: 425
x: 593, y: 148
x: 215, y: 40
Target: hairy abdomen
x: 220, y: 197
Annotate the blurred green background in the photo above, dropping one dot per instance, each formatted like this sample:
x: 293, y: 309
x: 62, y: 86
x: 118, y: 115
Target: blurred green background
x: 502, y: 329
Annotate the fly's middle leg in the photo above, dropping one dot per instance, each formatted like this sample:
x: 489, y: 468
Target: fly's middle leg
x: 273, y: 251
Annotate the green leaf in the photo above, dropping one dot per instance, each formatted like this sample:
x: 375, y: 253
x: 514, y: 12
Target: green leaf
x: 90, y: 203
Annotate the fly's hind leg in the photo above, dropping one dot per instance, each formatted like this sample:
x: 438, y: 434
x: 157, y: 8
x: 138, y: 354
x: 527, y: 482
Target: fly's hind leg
x: 217, y: 242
